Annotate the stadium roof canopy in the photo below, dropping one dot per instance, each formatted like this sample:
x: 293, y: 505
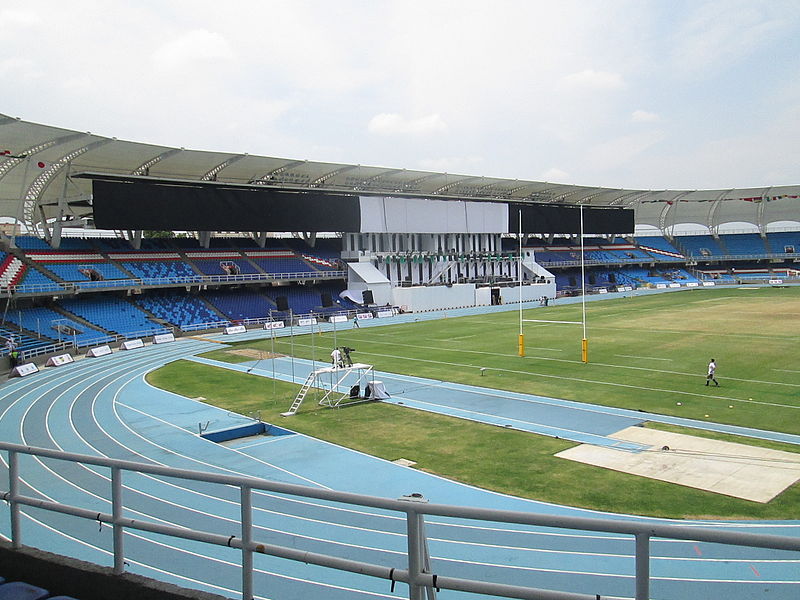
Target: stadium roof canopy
x: 39, y: 165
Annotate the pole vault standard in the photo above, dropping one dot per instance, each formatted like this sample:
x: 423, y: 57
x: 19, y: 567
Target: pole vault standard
x: 584, y: 341
x: 519, y: 278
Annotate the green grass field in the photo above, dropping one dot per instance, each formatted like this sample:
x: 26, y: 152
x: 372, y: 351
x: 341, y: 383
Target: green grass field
x: 647, y: 352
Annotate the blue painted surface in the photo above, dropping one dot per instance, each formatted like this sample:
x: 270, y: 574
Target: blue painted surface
x: 104, y: 406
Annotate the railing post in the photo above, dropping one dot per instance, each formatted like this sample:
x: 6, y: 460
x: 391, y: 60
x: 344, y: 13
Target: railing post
x: 13, y: 490
x: 247, y: 538
x: 642, y: 566
x: 116, y: 514
x: 416, y: 547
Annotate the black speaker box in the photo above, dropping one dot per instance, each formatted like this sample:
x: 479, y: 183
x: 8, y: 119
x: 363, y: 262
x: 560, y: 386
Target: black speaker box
x: 326, y: 300
x: 367, y: 297
x: 282, y: 303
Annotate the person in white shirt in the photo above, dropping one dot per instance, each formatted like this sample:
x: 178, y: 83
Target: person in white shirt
x: 336, y: 358
x: 712, y: 369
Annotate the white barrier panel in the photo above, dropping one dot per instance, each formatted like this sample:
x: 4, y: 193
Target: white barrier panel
x: 57, y: 361
x: 305, y: 322
x: 661, y: 286
x: 382, y: 314
x: 99, y: 351
x: 775, y: 281
x: 274, y: 325
x: 339, y: 319
x: 362, y: 316
x: 602, y: 291
x: 627, y: 288
x: 163, y: 338
x: 708, y: 284
x: 235, y: 329
x: 692, y: 284
x: 132, y: 344
x: 674, y: 285
x: 23, y: 370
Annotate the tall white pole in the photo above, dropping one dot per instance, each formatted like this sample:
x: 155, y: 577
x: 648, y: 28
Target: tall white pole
x: 584, y: 341
x: 521, y: 340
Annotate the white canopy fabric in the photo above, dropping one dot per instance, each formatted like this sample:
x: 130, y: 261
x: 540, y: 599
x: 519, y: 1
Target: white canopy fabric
x: 38, y: 165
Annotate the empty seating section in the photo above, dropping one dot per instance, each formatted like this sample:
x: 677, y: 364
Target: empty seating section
x: 178, y: 308
x: 744, y: 244
x: 662, y: 247
x: 159, y: 269
x: 303, y: 299
x: 111, y: 313
x: 282, y: 265
x: 240, y: 304
x: 780, y: 241
x: 22, y: 341
x: 21, y: 590
x: 38, y: 280
x: 82, y: 271
x: 699, y: 246
x: 215, y: 267
x: 29, y: 242
x: 54, y: 325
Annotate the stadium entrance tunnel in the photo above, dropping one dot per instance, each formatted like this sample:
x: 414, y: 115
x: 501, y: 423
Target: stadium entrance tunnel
x: 244, y: 431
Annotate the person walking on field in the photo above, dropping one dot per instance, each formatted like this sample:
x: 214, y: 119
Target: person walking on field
x: 712, y: 369
x: 355, y: 321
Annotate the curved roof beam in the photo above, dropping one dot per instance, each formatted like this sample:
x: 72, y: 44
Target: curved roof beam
x: 323, y: 178
x: 712, y: 211
x: 275, y: 172
x: 13, y: 161
x: 212, y: 174
x: 40, y: 183
x: 449, y: 186
x: 144, y: 168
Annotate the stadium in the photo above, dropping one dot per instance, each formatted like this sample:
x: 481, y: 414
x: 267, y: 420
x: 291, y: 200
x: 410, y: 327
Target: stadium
x: 526, y: 412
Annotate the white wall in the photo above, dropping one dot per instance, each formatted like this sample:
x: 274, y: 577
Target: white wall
x: 510, y: 295
x: 423, y: 298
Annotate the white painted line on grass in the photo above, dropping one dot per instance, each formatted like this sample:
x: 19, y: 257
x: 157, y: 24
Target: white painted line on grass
x: 643, y: 357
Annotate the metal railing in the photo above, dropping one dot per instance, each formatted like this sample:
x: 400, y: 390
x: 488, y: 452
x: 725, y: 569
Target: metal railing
x: 419, y: 574
x: 72, y: 287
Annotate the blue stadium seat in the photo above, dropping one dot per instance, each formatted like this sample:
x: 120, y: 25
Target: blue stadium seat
x: 19, y: 590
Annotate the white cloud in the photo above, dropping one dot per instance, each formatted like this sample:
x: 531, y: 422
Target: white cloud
x: 396, y: 124
x: 643, y: 116
x: 555, y: 174
x: 18, y: 18
x: 199, y: 44
x: 589, y: 79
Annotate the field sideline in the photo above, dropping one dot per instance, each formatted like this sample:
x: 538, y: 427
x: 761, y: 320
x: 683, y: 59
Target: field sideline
x: 648, y: 352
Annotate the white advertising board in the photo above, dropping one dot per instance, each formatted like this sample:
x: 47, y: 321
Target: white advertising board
x: 602, y: 291
x: 163, y: 338
x: 306, y: 322
x: 57, y: 361
x: 382, y: 314
x: 274, y: 325
x: 132, y: 344
x: 23, y: 370
x: 775, y: 281
x: 674, y: 285
x: 692, y: 284
x: 661, y: 286
x: 235, y: 329
x: 708, y: 284
x: 339, y: 319
x: 362, y: 316
x: 99, y: 351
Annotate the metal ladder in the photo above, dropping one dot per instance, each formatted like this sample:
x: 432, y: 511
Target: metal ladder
x: 301, y: 395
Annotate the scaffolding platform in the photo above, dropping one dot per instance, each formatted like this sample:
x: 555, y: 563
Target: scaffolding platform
x: 330, y: 379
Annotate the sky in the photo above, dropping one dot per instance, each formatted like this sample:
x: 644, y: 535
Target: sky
x: 636, y: 94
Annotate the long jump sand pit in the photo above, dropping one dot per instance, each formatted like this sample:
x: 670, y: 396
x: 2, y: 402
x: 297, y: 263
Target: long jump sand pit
x: 739, y: 470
